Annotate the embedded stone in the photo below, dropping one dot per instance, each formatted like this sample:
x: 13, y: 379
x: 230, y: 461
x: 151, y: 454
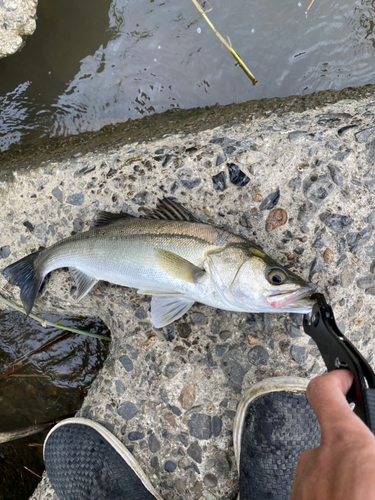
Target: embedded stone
x: 275, y: 219
x: 153, y: 443
x: 170, y: 466
x: 75, y: 199
x: 236, y: 176
x: 135, y: 436
x: 337, y: 223
x: 258, y: 355
x: 187, y: 396
x: 219, y: 181
x: 200, y: 426
x: 127, y: 410
x: 271, y: 200
x: 195, y: 452
x: 127, y: 363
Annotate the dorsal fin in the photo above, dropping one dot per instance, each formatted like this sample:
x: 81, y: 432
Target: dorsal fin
x: 104, y: 218
x: 167, y: 209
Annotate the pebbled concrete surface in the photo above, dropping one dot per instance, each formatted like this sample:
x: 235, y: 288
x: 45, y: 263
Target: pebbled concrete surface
x: 170, y: 395
x: 17, y: 20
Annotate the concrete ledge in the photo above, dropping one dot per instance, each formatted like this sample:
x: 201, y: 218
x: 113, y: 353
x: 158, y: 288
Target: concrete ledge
x: 17, y: 20
x: 177, y: 388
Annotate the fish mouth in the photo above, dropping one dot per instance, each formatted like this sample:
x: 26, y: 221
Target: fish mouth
x: 277, y: 300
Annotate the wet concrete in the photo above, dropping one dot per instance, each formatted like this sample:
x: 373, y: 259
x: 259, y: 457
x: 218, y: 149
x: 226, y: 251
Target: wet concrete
x: 177, y: 388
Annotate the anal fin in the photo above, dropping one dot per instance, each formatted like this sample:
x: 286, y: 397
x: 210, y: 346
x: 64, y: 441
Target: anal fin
x: 83, y: 281
x: 166, y: 308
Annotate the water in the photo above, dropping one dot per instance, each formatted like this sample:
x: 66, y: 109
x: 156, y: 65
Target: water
x: 93, y: 63
x: 52, y: 385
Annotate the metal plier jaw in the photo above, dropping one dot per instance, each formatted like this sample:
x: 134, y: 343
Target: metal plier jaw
x: 338, y: 352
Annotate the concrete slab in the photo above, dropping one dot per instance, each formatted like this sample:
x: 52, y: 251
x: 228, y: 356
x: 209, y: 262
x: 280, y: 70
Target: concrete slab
x: 17, y: 20
x: 177, y: 388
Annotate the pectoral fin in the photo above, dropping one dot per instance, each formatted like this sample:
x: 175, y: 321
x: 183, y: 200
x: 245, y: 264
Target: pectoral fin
x: 83, y: 281
x: 177, y: 266
x: 168, y: 307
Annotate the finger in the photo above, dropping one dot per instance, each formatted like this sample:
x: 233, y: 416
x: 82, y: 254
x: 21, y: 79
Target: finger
x: 327, y: 397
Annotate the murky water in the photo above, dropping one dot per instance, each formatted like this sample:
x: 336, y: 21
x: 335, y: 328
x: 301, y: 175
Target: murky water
x: 93, y: 63
x: 50, y: 386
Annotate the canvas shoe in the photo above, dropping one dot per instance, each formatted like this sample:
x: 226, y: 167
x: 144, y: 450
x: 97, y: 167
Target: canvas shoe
x: 274, y: 423
x: 84, y: 461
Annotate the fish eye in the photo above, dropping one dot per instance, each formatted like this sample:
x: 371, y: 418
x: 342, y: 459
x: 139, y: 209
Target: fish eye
x: 276, y: 276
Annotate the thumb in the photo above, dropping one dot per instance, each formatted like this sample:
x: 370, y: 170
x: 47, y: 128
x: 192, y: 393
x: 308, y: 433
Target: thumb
x: 327, y: 397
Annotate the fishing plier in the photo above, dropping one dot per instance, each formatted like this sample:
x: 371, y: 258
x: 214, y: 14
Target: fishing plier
x: 339, y: 353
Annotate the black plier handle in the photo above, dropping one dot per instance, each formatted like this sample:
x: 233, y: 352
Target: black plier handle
x: 338, y: 352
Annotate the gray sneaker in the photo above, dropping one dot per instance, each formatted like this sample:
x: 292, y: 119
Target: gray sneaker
x: 84, y: 461
x: 273, y: 425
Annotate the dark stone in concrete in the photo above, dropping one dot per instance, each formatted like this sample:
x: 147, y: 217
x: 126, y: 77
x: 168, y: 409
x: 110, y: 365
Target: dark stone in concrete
x: 219, y: 182
x: 333, y: 119
x: 235, y: 366
x: 366, y: 282
x: 75, y: 199
x: 217, y: 425
x: 190, y: 184
x: 57, y: 193
x: 170, y: 466
x: 236, y: 176
x: 343, y: 130
x: 184, y: 438
x: 140, y: 313
x: 225, y: 334
x: 258, y: 356
x: 200, y: 426
x: 171, y: 370
x: 342, y: 155
x: 210, y: 481
x: 364, y: 135
x: 120, y: 388
x: 183, y: 330
x: 153, y: 443
x: 198, y: 319
x: 245, y: 220
x: 220, y: 159
x: 135, y: 436
x: 297, y: 134
x: 5, y: 252
x: 195, y: 452
x: 176, y: 410
x: 29, y: 226
x: 299, y: 354
x: 337, y: 223
x: 127, y: 410
x: 270, y: 200
x: 293, y: 331
x: 154, y: 462
x: 336, y: 175
x: 127, y: 363
x: 142, y: 198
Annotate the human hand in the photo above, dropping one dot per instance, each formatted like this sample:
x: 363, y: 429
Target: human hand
x: 343, y: 466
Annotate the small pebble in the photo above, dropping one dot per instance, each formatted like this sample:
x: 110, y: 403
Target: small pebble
x: 328, y: 256
x: 187, y: 396
x: 270, y: 200
x: 170, y: 466
x: 5, y: 252
x: 210, y: 480
x: 236, y: 176
x: 257, y: 198
x: 276, y: 219
x: 219, y: 182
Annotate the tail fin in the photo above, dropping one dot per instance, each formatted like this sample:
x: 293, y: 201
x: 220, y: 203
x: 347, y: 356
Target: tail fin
x: 24, y: 274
